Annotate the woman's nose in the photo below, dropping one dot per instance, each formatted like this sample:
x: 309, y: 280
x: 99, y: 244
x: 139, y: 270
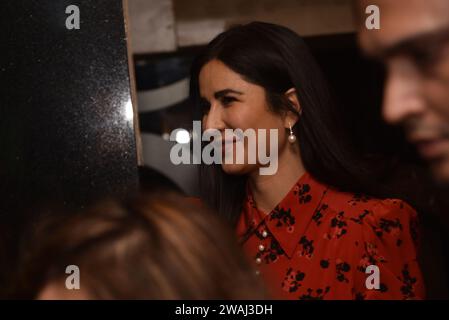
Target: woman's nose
x: 214, y: 119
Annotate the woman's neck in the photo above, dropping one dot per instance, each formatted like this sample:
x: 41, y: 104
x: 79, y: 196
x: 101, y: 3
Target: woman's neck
x: 269, y: 190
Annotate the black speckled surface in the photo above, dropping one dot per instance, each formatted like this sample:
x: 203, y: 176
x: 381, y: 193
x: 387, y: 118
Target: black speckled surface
x: 65, y: 129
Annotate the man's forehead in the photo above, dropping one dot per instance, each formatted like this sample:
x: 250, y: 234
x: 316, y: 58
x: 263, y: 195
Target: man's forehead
x: 400, y: 20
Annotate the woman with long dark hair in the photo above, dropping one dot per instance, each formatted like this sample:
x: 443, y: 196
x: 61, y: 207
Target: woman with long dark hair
x: 320, y: 227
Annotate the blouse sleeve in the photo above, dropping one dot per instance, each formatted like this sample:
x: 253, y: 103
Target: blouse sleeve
x: 390, y: 236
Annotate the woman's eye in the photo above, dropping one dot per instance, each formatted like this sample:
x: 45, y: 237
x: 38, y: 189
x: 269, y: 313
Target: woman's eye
x: 227, y: 100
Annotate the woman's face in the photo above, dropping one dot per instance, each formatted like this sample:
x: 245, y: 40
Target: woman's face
x: 230, y: 102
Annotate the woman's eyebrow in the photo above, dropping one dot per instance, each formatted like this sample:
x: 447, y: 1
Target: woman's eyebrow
x: 224, y: 92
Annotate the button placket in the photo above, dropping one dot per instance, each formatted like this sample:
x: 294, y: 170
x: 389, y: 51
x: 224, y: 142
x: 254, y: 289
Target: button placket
x: 261, y: 249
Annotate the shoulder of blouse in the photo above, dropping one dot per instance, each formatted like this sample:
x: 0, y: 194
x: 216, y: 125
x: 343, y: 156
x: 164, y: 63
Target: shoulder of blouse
x: 391, y: 225
x: 395, y: 223
x: 392, y: 218
x: 356, y: 206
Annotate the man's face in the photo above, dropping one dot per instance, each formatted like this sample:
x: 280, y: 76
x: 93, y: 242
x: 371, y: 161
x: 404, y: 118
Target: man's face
x: 413, y: 43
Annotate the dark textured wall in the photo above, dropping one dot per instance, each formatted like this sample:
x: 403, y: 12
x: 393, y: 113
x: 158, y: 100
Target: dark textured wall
x: 66, y: 122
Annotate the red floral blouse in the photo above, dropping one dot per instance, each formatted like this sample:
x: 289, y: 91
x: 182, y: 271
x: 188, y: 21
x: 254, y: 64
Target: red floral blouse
x: 318, y: 242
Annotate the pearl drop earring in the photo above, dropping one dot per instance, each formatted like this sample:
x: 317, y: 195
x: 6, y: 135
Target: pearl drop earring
x: 291, y: 137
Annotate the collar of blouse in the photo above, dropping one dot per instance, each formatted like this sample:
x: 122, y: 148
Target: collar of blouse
x: 288, y: 221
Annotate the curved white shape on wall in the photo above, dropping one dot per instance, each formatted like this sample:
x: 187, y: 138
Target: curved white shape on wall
x: 160, y: 98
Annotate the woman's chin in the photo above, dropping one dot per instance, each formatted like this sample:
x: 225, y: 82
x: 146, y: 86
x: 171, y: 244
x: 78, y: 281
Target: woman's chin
x: 238, y: 169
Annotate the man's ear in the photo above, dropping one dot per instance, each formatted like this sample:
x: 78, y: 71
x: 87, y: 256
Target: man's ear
x: 291, y: 118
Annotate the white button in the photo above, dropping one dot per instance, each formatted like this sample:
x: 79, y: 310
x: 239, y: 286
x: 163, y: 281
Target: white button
x: 257, y: 272
x: 261, y: 247
x: 258, y: 261
x: 264, y: 234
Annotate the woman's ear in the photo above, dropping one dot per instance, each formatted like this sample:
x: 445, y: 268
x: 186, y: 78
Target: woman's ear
x: 291, y: 118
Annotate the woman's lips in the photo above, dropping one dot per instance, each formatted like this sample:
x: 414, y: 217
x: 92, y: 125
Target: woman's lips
x: 228, y: 145
x: 228, y: 142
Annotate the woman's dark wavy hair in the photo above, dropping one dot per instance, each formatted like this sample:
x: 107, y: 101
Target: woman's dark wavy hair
x: 277, y: 59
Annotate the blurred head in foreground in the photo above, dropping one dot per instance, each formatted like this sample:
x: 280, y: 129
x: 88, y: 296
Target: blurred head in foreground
x: 413, y: 43
x: 153, y: 247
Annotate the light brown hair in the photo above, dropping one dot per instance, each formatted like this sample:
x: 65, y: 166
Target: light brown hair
x: 151, y: 247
